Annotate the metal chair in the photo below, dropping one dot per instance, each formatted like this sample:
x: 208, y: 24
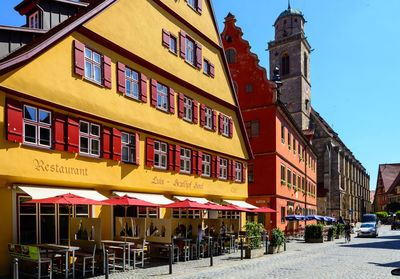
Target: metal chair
x: 107, y: 258
x: 85, y: 257
x: 138, y: 250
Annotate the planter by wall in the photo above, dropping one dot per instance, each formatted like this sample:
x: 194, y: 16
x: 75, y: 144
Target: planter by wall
x: 254, y: 253
x: 274, y: 249
x: 315, y: 240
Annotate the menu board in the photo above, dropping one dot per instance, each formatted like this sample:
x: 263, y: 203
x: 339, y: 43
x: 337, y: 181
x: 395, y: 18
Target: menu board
x: 23, y: 251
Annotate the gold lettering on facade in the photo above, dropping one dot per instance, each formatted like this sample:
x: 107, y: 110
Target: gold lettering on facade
x: 157, y: 180
x: 42, y: 166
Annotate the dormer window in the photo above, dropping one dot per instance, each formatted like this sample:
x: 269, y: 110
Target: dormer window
x: 33, y: 20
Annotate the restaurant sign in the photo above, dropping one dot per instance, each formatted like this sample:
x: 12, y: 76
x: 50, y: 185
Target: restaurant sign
x: 43, y: 166
x: 23, y: 251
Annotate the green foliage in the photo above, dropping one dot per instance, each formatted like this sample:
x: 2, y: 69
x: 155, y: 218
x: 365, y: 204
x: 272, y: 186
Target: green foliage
x: 398, y: 214
x: 313, y: 232
x: 254, y: 230
x: 277, y: 237
x: 332, y: 232
x: 340, y: 229
x: 381, y: 215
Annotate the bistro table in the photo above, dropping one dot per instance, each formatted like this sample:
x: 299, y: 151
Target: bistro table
x: 122, y: 244
x: 186, y: 246
x: 61, y: 249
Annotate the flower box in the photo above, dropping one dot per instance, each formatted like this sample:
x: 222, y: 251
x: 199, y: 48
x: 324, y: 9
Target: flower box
x: 254, y: 253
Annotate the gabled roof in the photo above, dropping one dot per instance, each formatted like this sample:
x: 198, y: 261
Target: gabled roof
x: 390, y: 174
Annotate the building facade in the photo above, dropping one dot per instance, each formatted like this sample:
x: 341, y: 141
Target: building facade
x: 104, y: 102
x: 343, y: 183
x: 387, y: 192
x: 283, y: 174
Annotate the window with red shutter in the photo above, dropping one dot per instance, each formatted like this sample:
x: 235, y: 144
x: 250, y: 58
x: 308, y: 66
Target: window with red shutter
x: 199, y: 162
x: 79, y: 67
x: 229, y: 170
x: 143, y: 88
x: 217, y: 167
x: 199, y: 6
x: 149, y: 152
x: 202, y: 115
x: 73, y: 135
x: 199, y: 56
x: 182, y: 40
x: 14, y: 120
x: 107, y: 143
x: 181, y: 105
x: 153, y: 92
x: 177, y: 158
x: 212, y: 70
x: 107, y: 71
x: 194, y: 162
x: 213, y: 166
x: 230, y: 127
x: 171, y: 99
x: 234, y: 170
x: 171, y: 151
x: 165, y: 38
x: 243, y: 173
x: 121, y: 77
x: 221, y: 123
x: 214, y: 120
x: 59, y: 131
x: 116, y: 143
x: 129, y: 148
x: 195, y: 112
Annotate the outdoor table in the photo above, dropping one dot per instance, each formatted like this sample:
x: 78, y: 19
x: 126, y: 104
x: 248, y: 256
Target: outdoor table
x: 123, y: 244
x: 186, y: 246
x: 60, y: 249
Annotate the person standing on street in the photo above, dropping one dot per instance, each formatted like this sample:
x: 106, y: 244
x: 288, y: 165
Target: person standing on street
x: 347, y: 230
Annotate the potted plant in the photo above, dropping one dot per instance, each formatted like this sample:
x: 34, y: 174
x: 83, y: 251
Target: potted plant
x: 331, y: 233
x: 277, y: 239
x: 314, y: 234
x: 253, y: 234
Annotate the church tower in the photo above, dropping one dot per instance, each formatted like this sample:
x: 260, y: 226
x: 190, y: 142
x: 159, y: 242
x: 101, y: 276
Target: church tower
x: 290, y: 51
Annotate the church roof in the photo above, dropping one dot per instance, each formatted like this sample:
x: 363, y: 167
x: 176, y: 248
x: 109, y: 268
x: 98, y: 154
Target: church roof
x: 390, y: 174
x: 289, y: 12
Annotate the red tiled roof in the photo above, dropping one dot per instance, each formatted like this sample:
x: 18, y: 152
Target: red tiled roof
x: 390, y: 174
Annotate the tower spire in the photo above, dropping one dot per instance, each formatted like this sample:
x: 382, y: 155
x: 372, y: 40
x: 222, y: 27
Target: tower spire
x: 288, y: 5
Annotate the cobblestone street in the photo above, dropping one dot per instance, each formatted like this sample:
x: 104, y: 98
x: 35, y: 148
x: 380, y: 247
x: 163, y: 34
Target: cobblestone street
x: 362, y: 258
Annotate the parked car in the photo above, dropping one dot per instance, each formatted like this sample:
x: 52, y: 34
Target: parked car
x: 368, y: 229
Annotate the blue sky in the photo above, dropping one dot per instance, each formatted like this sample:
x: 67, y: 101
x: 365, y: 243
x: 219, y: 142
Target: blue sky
x: 354, y: 65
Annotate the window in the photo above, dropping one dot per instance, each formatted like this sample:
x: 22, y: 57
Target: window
x: 206, y: 165
x: 223, y: 168
x: 131, y: 84
x: 238, y: 172
x: 162, y: 97
x: 208, y: 118
x: 299, y: 182
x: 294, y: 145
x: 160, y: 155
x: 206, y: 67
x: 225, y: 126
x: 294, y: 180
x: 283, y: 174
x: 289, y: 139
x: 37, y: 126
x: 128, y: 148
x: 33, y: 20
x: 253, y: 128
x: 230, y: 55
x: 283, y: 215
x: 192, y: 3
x: 172, y: 44
x: 289, y: 177
x: 186, y: 158
x: 282, y: 133
x: 27, y: 221
x: 305, y: 65
x: 249, y: 88
x: 187, y: 109
x: 250, y: 173
x: 190, y: 56
x: 89, y: 138
x: 285, y: 64
x: 93, y: 66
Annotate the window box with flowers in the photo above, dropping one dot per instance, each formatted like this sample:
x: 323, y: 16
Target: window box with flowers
x: 283, y: 140
x: 283, y: 182
x: 289, y: 185
x: 290, y: 147
x: 299, y: 156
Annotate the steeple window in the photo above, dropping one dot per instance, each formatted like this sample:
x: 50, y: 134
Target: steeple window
x: 285, y: 64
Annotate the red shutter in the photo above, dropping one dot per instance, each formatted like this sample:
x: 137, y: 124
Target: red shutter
x: 107, y: 71
x: 194, y: 162
x: 214, y: 124
x: 202, y: 115
x: 195, y: 112
x: 165, y: 38
x: 177, y: 158
x: 149, y: 152
x: 121, y: 77
x: 116, y: 143
x: 217, y: 161
x: 171, y: 157
x: 180, y: 105
x: 221, y: 123
x: 182, y: 38
x: 213, y: 166
x: 229, y: 170
x: 212, y: 70
x: 200, y: 6
x: 14, y: 120
x: 233, y: 170
x: 73, y: 135
x: 171, y: 100
x: 143, y: 88
x: 243, y: 173
x: 199, y: 56
x: 199, y: 162
x: 153, y: 92
x: 137, y: 149
x: 59, y: 131
x: 106, y: 143
x: 230, y: 127
x: 79, y: 50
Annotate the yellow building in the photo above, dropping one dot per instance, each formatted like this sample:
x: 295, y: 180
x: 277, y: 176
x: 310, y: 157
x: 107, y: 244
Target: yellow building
x: 121, y: 96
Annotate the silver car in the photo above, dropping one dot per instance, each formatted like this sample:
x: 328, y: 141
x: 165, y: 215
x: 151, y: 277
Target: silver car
x: 368, y: 229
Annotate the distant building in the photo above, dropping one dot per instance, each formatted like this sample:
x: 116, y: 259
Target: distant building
x: 283, y: 174
x: 372, y: 200
x: 387, y: 187
x: 343, y: 183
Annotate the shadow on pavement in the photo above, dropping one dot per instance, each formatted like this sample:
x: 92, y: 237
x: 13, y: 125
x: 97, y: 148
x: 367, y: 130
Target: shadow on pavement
x: 393, y: 264
x: 395, y: 245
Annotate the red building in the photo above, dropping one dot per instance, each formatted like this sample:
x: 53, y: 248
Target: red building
x: 283, y: 174
x: 387, y: 187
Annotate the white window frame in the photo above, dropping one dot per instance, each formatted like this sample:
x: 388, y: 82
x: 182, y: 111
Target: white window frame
x: 39, y: 125
x: 186, y: 160
x: 225, y: 126
x: 238, y: 172
x: 208, y: 118
x: 91, y: 137
x: 206, y: 165
x: 33, y: 20
x: 162, y: 97
x: 131, y: 83
x: 93, y: 63
x: 162, y: 154
x: 223, y: 169
x: 190, y: 52
x: 187, y: 109
x: 206, y: 67
x: 128, y: 142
